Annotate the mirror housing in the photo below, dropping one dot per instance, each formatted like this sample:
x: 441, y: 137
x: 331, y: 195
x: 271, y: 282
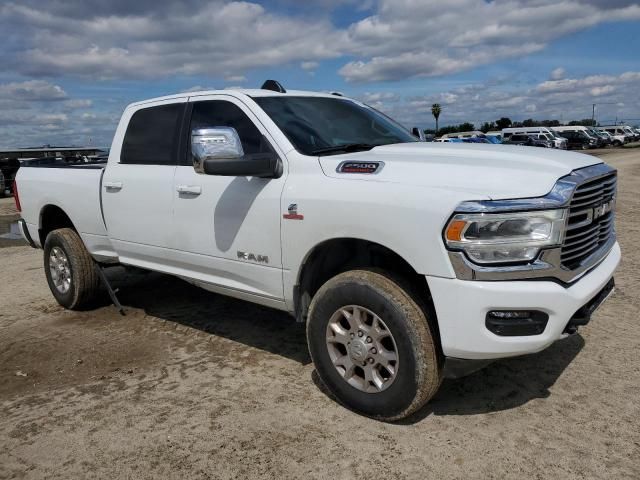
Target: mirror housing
x: 218, y: 151
x: 419, y: 133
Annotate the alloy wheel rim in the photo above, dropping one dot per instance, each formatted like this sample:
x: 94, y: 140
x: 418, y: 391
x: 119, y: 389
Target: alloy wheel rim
x: 60, y: 270
x: 362, y: 349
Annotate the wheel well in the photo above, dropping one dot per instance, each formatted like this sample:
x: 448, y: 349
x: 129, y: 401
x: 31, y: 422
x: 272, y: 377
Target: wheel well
x: 335, y: 256
x: 52, y: 218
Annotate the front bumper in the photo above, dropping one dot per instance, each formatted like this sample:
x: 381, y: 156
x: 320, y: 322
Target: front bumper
x: 462, y: 306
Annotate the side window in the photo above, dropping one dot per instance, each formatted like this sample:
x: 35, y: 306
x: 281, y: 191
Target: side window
x: 220, y: 113
x: 152, y: 136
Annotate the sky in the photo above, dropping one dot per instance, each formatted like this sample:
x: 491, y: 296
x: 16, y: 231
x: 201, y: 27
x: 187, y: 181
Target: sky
x: 69, y: 67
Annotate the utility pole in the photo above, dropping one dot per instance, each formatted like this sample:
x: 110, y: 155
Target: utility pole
x: 593, y: 114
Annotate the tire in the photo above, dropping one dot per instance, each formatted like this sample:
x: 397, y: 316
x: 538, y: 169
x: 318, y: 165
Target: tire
x: 416, y: 375
x: 66, y: 258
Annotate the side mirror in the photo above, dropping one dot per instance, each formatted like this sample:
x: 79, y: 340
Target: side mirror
x: 419, y: 133
x: 218, y: 151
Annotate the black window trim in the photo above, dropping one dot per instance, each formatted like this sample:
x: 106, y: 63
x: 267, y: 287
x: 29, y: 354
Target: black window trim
x: 177, y: 144
x: 184, y: 159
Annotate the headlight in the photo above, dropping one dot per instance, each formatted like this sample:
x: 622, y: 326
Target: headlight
x: 505, y: 237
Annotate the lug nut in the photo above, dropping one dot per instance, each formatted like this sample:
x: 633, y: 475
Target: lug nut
x: 369, y: 340
x: 371, y: 360
x: 360, y: 333
x: 352, y: 335
x: 374, y: 351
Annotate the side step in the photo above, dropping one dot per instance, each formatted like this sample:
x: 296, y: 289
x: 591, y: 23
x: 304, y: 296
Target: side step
x: 110, y: 290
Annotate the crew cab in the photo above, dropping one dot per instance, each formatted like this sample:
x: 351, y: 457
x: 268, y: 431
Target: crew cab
x: 408, y: 261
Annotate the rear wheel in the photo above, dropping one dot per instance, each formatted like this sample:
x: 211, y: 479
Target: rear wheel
x: 71, y: 272
x: 372, y: 345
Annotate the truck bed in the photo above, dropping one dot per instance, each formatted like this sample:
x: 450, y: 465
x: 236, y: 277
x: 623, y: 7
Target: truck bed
x: 76, y: 190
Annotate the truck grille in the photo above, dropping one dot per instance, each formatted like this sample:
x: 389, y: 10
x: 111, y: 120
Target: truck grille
x: 591, y: 219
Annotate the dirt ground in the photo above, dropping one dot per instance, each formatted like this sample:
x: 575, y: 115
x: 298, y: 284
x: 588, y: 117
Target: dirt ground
x: 194, y: 385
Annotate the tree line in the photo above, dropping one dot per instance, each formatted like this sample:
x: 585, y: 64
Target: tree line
x: 504, y: 122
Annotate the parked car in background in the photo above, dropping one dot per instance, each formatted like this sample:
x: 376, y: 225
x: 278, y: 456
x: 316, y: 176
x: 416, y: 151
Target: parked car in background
x: 471, y: 134
x: 537, y: 140
x: 475, y: 140
x: 604, y: 139
x: 578, y: 137
x: 407, y: 261
x: 620, y: 137
x: 558, y: 141
x: 634, y: 136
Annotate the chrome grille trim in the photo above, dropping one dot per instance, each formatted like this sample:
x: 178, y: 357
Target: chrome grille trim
x: 586, y: 244
x: 585, y: 232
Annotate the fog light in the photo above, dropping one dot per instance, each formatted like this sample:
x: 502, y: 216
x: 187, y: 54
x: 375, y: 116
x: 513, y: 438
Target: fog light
x: 516, y: 323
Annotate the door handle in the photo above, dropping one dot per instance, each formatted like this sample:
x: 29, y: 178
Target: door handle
x: 113, y: 185
x: 189, y: 189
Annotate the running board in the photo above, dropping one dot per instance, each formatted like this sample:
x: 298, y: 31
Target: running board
x: 111, y: 291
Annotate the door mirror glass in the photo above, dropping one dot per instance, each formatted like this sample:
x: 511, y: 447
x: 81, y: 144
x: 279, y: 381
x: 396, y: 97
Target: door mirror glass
x: 218, y: 151
x: 213, y: 144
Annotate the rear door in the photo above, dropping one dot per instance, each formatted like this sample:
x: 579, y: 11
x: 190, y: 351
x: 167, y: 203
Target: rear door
x: 137, y: 188
x: 227, y: 229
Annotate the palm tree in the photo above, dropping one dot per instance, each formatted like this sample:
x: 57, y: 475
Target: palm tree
x: 435, y: 111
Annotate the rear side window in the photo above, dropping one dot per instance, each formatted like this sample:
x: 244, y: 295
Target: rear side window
x: 220, y: 113
x: 152, y: 136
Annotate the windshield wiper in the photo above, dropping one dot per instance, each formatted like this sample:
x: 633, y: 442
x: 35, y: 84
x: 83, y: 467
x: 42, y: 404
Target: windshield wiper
x: 347, y: 147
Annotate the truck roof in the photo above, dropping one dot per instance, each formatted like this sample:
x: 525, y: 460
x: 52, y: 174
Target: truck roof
x: 250, y: 92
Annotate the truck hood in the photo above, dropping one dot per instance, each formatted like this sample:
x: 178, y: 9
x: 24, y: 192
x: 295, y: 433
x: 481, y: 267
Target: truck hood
x: 485, y: 171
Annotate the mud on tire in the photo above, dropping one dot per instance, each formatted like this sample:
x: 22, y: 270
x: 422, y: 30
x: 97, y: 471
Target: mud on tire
x: 83, y: 286
x: 417, y: 375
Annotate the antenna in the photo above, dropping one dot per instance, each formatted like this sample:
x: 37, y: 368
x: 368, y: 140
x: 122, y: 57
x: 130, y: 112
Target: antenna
x: 273, y: 85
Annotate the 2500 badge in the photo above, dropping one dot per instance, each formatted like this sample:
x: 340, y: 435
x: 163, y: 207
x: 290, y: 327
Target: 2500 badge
x: 360, y: 167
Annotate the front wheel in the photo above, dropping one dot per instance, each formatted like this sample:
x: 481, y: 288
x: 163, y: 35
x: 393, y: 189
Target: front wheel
x: 71, y: 272
x: 372, y: 345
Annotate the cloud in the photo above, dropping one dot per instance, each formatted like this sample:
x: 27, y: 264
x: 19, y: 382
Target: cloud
x: 78, y: 103
x: 396, y: 39
x: 557, y: 73
x: 235, y: 78
x: 565, y: 99
x: 212, y: 38
x: 32, y: 90
x: 36, y: 112
x: 409, y: 39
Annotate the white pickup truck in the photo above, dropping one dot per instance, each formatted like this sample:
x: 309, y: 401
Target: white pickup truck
x: 408, y: 261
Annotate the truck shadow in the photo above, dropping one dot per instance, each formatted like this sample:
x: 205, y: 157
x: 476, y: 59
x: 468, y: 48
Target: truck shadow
x: 172, y: 299
x: 503, y: 385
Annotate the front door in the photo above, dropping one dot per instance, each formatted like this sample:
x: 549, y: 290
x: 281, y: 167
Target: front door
x: 227, y: 229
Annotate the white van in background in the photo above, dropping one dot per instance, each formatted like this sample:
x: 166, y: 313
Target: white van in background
x: 620, y: 136
x: 631, y: 133
x: 558, y: 141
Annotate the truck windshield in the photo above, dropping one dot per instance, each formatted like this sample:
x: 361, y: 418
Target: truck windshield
x: 326, y: 126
